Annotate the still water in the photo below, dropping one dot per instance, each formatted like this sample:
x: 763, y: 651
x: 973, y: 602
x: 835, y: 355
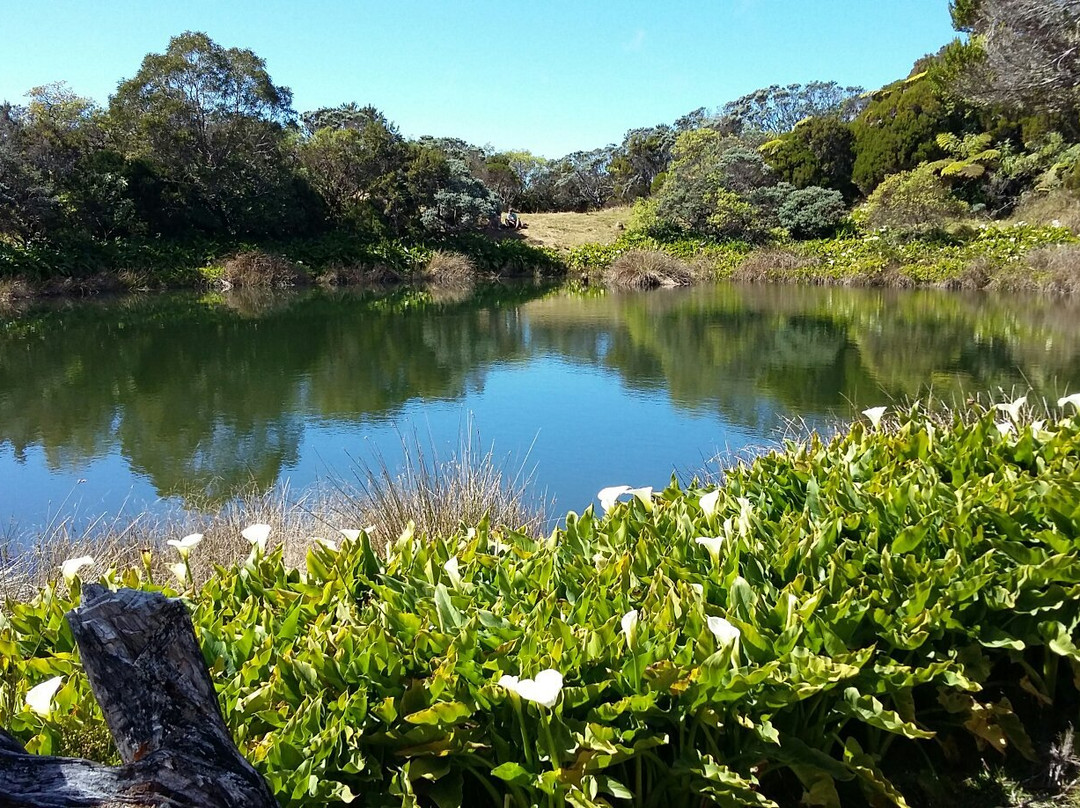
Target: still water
x: 153, y: 403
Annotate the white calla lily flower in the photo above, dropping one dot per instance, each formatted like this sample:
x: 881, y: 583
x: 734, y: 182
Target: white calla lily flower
x: 709, y: 502
x: 1012, y: 408
x: 350, y: 534
x: 70, y: 568
x: 257, y: 535
x: 180, y: 570
x: 1074, y: 399
x: 629, y: 625
x: 875, y: 414
x: 185, y: 545
x: 724, y: 631
x: 39, y: 698
x: 713, y: 544
x: 453, y: 568
x: 544, y: 689
x: 610, y: 495
x: 329, y: 544
x: 1005, y: 428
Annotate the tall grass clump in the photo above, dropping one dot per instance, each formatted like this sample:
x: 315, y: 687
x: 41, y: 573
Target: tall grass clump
x: 261, y: 268
x: 649, y: 269
x: 867, y: 619
x: 433, y: 495
x: 453, y: 268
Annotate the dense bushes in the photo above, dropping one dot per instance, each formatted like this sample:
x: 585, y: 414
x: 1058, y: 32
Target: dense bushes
x: 832, y: 620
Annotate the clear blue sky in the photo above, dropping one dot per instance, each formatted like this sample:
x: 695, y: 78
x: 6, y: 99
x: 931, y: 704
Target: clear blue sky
x: 551, y: 76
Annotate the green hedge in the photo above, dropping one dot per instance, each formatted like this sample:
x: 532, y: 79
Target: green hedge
x: 800, y: 633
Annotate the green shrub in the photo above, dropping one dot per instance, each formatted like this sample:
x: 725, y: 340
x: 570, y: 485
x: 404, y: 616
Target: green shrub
x: 812, y: 212
x: 911, y: 202
x: 833, y: 613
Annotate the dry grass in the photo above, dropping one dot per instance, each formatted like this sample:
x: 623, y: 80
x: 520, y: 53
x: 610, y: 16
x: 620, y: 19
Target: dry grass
x: 29, y: 562
x: 453, y: 268
x: 566, y: 230
x: 438, y: 496
x: 1061, y: 206
x: 359, y: 275
x: 1052, y: 271
x: 259, y: 268
x: 771, y: 264
x: 650, y: 269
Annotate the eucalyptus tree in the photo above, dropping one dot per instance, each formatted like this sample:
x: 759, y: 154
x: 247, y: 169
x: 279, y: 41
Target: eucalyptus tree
x: 777, y: 109
x: 208, y: 124
x: 1018, y: 52
x: 355, y: 159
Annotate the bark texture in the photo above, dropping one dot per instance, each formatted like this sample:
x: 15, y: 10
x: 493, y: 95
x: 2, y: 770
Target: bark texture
x: 144, y: 664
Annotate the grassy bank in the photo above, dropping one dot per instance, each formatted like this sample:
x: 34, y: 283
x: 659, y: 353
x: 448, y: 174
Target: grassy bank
x: 334, y: 258
x: 886, y: 617
x: 1007, y: 258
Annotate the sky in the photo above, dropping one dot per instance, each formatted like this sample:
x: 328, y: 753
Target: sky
x: 552, y: 77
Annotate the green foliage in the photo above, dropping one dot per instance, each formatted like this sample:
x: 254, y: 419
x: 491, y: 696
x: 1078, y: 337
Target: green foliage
x: 897, y: 131
x: 706, y: 186
x: 931, y: 258
x: 852, y: 602
x: 911, y: 201
x: 812, y: 212
x: 590, y: 259
x: 819, y: 151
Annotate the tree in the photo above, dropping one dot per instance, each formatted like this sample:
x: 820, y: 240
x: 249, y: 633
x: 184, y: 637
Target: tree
x: 1019, y: 52
x: 644, y: 154
x: 354, y: 161
x: 818, y: 151
x: 778, y: 109
x: 208, y: 123
x: 709, y: 187
x: 898, y: 129
x: 584, y: 180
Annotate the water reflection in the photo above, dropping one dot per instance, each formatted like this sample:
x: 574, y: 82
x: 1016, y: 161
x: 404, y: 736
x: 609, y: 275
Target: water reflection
x: 204, y: 396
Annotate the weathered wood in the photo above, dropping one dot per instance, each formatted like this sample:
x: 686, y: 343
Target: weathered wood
x: 144, y: 665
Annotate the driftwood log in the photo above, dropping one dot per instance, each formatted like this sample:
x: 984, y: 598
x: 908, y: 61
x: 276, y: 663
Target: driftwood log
x: 142, y: 659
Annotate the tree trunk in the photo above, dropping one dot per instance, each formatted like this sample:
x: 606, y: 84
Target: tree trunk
x: 144, y: 665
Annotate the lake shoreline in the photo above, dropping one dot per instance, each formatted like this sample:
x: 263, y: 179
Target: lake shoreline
x: 998, y: 259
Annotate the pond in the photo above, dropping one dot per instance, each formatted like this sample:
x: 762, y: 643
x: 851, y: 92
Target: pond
x: 149, y: 403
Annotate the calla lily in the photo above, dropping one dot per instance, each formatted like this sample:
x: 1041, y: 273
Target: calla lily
x: 180, y: 570
x: 1074, y: 399
x: 1013, y: 407
x: 185, y: 545
x: 713, y: 545
x: 257, y: 536
x: 70, y: 568
x: 709, y: 501
x: 544, y: 689
x: 39, y: 698
x: 629, y: 625
x: 350, y: 534
x: 874, y: 414
x: 329, y: 544
x: 1004, y: 427
x: 452, y: 568
x: 699, y: 589
x: 609, y: 496
x: 725, y: 632
x: 1037, y: 426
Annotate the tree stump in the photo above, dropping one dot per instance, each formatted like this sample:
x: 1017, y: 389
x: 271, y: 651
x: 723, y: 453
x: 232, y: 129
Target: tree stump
x: 144, y: 665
